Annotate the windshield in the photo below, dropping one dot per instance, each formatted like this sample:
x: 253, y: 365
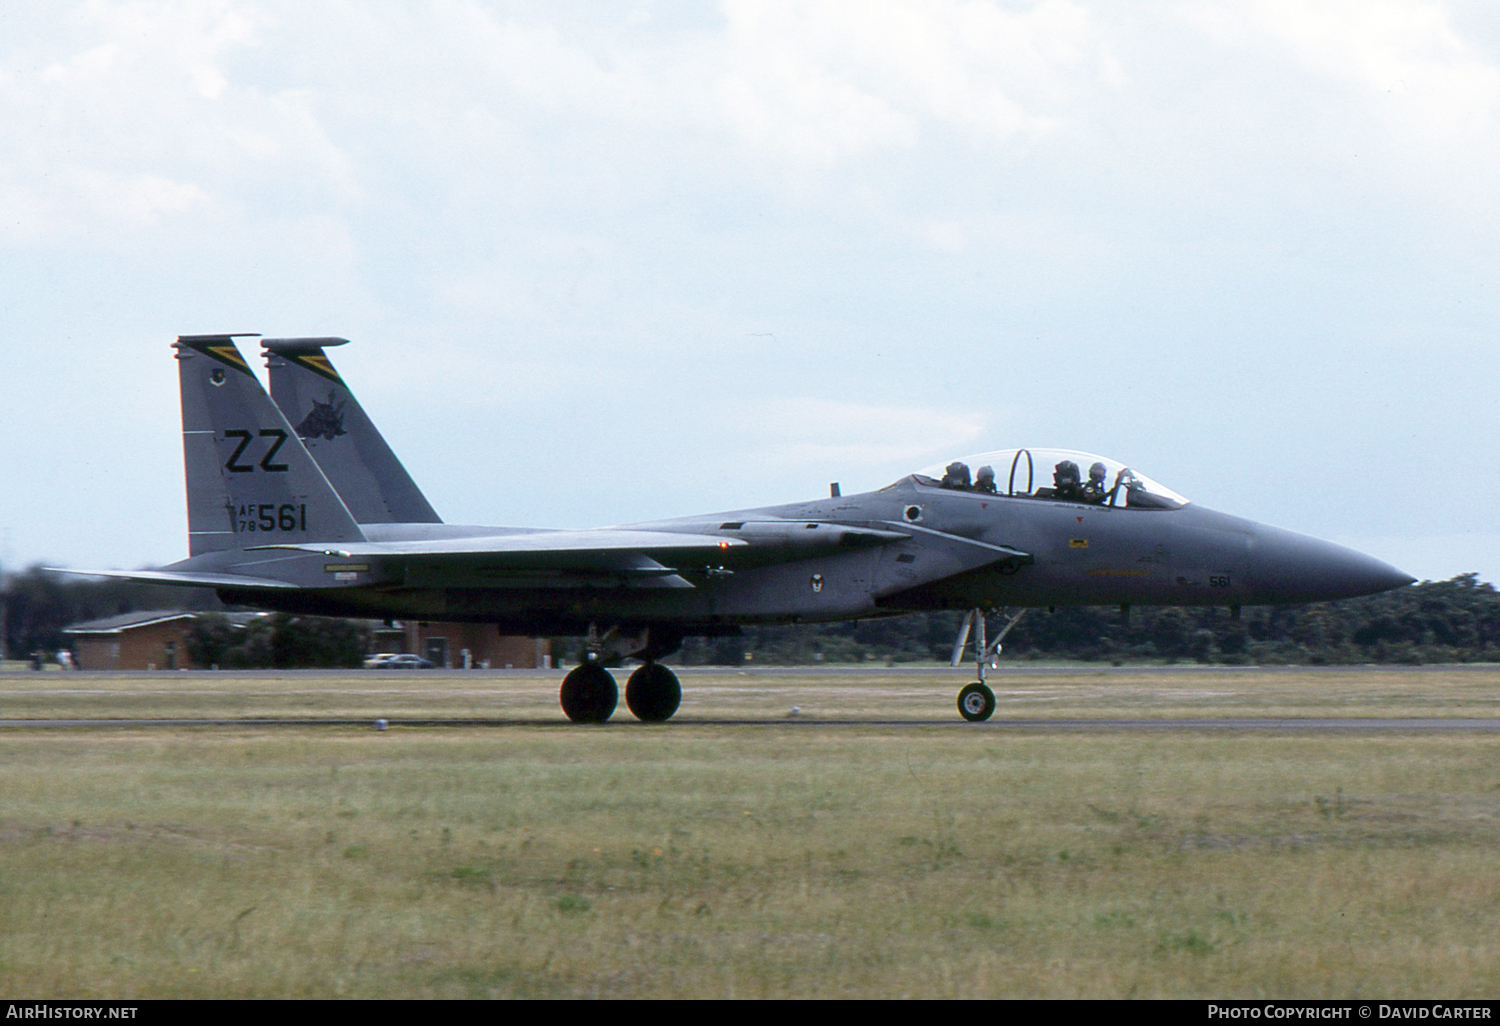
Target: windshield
x: 1060, y: 475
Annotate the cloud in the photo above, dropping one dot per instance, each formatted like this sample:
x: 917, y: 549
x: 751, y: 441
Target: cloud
x: 136, y: 199
x: 130, y: 115
x: 832, y: 79
x: 814, y: 432
x: 537, y: 65
x: 817, y: 82
x: 170, y: 51
x: 1404, y: 57
x: 219, y: 109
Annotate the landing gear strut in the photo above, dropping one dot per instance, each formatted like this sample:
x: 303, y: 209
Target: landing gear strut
x: 976, y: 702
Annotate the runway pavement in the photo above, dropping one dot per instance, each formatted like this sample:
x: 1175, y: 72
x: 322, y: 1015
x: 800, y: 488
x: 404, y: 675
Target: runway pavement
x: 1207, y: 724
x: 1018, y: 668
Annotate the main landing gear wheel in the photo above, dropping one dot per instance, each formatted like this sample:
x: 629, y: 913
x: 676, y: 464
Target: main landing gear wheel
x: 589, y: 694
x: 976, y: 702
x: 652, y: 693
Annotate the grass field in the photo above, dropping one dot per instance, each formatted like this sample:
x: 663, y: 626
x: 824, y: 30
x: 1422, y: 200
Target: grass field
x: 773, y: 860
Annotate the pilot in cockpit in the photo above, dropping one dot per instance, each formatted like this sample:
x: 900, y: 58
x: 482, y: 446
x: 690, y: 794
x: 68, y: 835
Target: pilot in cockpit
x: 956, y: 476
x: 1094, y: 491
x: 1066, y: 483
x: 984, y: 480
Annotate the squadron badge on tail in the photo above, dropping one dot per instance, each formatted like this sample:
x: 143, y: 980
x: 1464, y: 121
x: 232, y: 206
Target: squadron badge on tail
x: 326, y: 420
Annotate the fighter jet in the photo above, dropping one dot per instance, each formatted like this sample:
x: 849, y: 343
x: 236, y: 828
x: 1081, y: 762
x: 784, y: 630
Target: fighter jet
x: 1011, y: 529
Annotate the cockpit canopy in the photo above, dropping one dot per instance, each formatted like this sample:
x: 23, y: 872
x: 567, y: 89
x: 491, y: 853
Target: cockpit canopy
x: 1058, y: 475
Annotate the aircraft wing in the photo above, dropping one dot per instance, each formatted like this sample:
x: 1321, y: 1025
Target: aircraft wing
x: 542, y: 544
x: 760, y: 541
x: 193, y: 578
x: 613, y: 557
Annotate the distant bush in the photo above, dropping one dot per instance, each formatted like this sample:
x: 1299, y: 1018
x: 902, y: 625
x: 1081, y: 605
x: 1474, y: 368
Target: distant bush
x: 1451, y: 621
x: 278, y: 642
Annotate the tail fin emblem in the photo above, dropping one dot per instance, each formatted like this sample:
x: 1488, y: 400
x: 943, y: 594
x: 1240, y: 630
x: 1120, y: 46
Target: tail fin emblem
x: 326, y: 420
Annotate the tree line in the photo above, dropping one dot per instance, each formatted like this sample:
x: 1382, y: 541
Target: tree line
x: 38, y: 606
x: 1453, y: 621
x: 1456, y: 620
x: 279, y: 641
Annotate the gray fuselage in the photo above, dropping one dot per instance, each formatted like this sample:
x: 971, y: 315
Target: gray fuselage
x: 1079, y: 554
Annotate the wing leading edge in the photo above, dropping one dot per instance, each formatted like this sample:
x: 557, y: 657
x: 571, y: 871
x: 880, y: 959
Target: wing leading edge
x: 792, y: 542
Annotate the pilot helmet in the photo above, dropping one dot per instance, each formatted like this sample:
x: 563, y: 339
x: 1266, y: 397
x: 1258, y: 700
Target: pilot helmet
x: 1066, y: 471
x: 1097, y: 472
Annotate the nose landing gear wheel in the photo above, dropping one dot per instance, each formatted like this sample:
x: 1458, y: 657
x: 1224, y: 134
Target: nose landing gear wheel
x: 976, y: 702
x: 589, y: 694
x: 653, y: 693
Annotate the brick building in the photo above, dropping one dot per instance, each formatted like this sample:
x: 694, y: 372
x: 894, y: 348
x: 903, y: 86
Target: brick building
x: 147, y: 640
x: 445, y: 644
x: 157, y: 640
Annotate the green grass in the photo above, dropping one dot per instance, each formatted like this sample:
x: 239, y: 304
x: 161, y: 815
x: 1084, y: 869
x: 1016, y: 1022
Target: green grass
x: 749, y: 861
x: 919, y: 694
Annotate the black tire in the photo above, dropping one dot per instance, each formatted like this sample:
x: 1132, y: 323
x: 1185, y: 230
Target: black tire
x: 589, y: 694
x: 976, y: 702
x: 653, y: 693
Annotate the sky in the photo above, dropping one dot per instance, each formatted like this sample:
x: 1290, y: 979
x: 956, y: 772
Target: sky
x: 604, y: 262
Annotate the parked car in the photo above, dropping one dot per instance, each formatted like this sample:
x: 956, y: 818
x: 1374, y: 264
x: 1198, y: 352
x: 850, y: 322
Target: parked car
x: 408, y: 662
x: 397, y: 661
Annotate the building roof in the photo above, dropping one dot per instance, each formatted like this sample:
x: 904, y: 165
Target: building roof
x: 127, y: 621
x: 146, y: 618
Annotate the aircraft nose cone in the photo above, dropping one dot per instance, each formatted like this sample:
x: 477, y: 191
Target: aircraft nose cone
x: 1290, y: 567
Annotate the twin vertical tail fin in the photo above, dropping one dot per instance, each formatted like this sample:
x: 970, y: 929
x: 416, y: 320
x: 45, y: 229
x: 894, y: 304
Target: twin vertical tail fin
x: 250, y: 480
x: 341, y: 438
